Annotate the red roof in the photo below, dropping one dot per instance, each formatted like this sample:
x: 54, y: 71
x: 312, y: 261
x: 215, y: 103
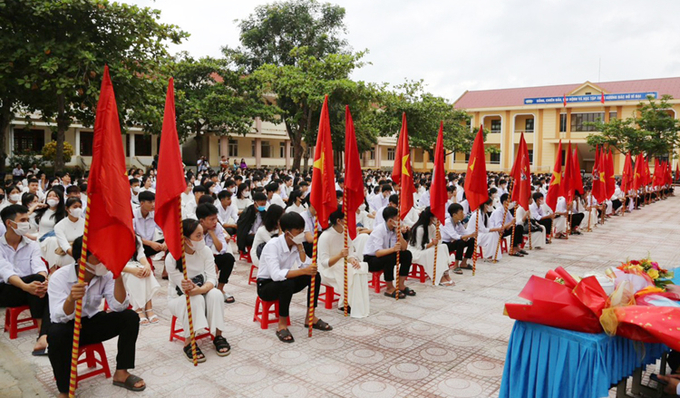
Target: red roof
x: 516, y: 96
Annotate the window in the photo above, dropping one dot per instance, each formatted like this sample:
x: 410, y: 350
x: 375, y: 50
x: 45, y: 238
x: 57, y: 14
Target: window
x: 292, y: 152
x: 563, y: 122
x: 252, y: 148
x: 612, y: 115
x: 233, y: 148
x: 282, y: 149
x: 371, y: 154
x: 579, y: 120
x: 495, y: 157
x: 86, y: 138
x: 496, y: 126
x: 467, y: 158
x: 564, y: 158
x: 531, y: 156
x: 142, y: 145
x: 390, y: 153
x: 28, y: 140
x: 266, y: 149
x: 529, y: 125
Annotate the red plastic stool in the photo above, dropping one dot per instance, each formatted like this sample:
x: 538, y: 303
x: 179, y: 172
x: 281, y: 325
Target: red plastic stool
x: 263, y: 313
x: 178, y: 332
x: 252, y: 278
x: 107, y: 308
x: 92, y: 361
x: 417, y: 272
x: 245, y: 256
x: 504, y: 245
x: 480, y: 253
x: 151, y: 263
x: 375, y: 283
x: 12, y: 321
x: 328, y: 296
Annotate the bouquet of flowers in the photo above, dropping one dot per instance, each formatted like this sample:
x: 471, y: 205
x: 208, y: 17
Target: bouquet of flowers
x: 648, y: 269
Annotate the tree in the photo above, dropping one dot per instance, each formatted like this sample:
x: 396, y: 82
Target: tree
x: 270, y: 34
x: 652, y: 130
x: 211, y: 97
x: 66, y: 44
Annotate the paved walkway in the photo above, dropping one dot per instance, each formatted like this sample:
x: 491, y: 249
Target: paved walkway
x: 446, y: 342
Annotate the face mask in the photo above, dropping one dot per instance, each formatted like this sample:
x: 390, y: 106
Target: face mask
x: 15, y: 197
x: 2, y: 197
x: 135, y: 189
x: 261, y: 208
x: 511, y: 206
x: 197, y: 245
x: 495, y: 195
x: 52, y: 202
x: 246, y: 194
x: 233, y: 190
x: 96, y: 269
x: 22, y: 228
x: 20, y: 185
x: 298, y: 239
x: 77, y: 212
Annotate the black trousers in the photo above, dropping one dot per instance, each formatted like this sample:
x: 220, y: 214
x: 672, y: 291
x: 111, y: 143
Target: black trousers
x: 616, y: 203
x: 519, y: 233
x: 101, y: 327
x: 12, y: 296
x: 149, y: 252
x: 309, y: 248
x: 225, y: 263
x: 283, y: 291
x: 674, y: 361
x: 231, y: 231
x: 459, y: 246
x: 547, y: 223
x: 576, y: 219
x: 387, y: 263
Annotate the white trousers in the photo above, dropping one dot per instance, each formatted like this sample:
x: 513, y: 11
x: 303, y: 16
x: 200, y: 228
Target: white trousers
x: 357, y: 286
x: 207, y: 311
x: 140, y: 290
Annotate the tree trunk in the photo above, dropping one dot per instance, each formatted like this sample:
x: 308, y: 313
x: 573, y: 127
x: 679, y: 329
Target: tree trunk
x: 295, y: 140
x: 63, y: 123
x: 5, y: 120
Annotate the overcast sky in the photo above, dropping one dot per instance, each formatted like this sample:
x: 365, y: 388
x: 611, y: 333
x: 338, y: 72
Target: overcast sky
x: 474, y: 45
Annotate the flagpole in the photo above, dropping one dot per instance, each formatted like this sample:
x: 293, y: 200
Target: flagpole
x: 396, y: 274
x: 512, y: 237
x: 590, y: 211
x: 530, y: 244
x: 436, y: 249
x: 346, y: 233
x: 312, y: 285
x: 192, y: 332
x: 474, y: 256
x: 77, y: 322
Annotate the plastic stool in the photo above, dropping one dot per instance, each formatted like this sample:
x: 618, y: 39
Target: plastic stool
x: 245, y: 256
x: 263, y: 313
x: 375, y: 283
x: 504, y: 245
x: 92, y: 361
x: 328, y: 296
x: 12, y: 321
x: 417, y: 272
x: 252, y: 278
x: 178, y: 333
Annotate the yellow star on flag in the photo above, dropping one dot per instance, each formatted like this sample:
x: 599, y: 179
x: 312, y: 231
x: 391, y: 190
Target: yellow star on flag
x: 602, y: 177
x: 404, y: 161
x: 472, y: 166
x: 557, y: 177
x: 318, y: 164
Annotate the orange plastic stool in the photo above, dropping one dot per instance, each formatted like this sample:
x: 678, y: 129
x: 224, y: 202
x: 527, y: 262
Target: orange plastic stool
x: 375, y: 283
x: 252, y: 278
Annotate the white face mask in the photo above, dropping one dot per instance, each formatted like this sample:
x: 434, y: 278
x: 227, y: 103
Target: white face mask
x: 246, y: 194
x: 96, y: 269
x: 298, y: 239
x: 135, y: 189
x: 197, y: 245
x: 15, y: 197
x: 52, y: 202
x: 511, y: 206
x: 22, y: 228
x: 77, y: 212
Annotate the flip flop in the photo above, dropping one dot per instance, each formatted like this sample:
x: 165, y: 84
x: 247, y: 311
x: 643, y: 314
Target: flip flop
x: 40, y: 353
x: 457, y: 270
x: 283, y: 335
x: 321, y: 325
x: 394, y: 295
x: 129, y: 383
x: 517, y: 255
x: 409, y: 292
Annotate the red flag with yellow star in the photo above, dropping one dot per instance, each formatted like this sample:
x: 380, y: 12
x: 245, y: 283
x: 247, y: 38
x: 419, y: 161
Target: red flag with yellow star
x: 638, y: 177
x: 598, y: 192
x: 402, y: 172
x: 568, y: 176
x: 322, y: 197
x: 627, y: 176
x: 555, y: 188
x: 438, y: 195
x: 610, y: 180
x: 476, y: 190
x: 523, y: 184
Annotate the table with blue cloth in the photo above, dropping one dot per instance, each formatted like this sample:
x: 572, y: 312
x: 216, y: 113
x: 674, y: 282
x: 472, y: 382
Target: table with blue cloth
x: 548, y: 362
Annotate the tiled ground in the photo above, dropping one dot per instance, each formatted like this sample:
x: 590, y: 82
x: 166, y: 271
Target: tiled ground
x: 446, y: 342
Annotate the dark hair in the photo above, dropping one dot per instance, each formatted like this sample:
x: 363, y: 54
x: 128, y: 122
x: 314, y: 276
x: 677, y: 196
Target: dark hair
x: 206, y: 199
x: 290, y: 221
x: 241, y: 188
x: 504, y: 197
x: 224, y: 194
x: 455, y: 208
x: 147, y: 196
x: 293, y: 196
x: 10, y: 212
x: 72, y: 189
x: 259, y: 197
x: 71, y: 201
x: 272, y: 187
x: 424, y: 223
x: 77, y: 250
x: 60, y: 213
x: 205, y: 210
x: 189, y: 226
x: 10, y: 188
x: 27, y: 198
x: 200, y: 188
x: 271, y: 217
x: 389, y: 212
x: 536, y: 196
x: 394, y: 199
x: 386, y: 187
x: 33, y: 180
x: 133, y: 180
x: 451, y: 188
x: 336, y: 215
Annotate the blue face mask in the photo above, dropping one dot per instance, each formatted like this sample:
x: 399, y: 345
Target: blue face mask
x: 261, y: 208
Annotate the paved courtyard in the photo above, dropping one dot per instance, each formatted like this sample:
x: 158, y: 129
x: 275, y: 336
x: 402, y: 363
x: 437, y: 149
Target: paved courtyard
x: 445, y: 342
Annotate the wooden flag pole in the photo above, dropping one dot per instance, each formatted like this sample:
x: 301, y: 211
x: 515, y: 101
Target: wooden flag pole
x: 312, y: 285
x: 474, y: 255
x: 192, y: 332
x: 77, y: 322
x: 531, y: 247
x: 437, y: 236
x: 623, y: 204
x: 396, y: 274
x: 590, y: 211
x: 346, y: 235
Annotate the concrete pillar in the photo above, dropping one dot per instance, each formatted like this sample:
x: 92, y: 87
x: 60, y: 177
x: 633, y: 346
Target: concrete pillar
x: 288, y: 160
x: 568, y: 123
x: 76, y: 149
x: 377, y: 156
x: 258, y: 152
x: 538, y: 139
x: 224, y: 146
x: 132, y: 146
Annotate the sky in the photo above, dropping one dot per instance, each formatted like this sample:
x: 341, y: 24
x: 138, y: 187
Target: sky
x: 456, y: 46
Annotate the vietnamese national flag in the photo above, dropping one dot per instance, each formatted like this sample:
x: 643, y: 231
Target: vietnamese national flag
x: 322, y: 197
x: 610, y: 180
x: 476, y: 190
x: 657, y: 170
x: 402, y: 172
x: 639, y: 176
x: 598, y: 177
x: 523, y: 184
x: 568, y: 177
x: 627, y: 175
x: 110, y: 235
x: 354, y: 180
x: 438, y: 196
x: 521, y: 150
x: 564, y: 100
x: 648, y: 174
x: 555, y: 188
x: 602, y: 99
x: 577, y: 181
x: 170, y: 180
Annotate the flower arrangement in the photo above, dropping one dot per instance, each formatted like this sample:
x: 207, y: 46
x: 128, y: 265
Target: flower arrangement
x: 648, y: 269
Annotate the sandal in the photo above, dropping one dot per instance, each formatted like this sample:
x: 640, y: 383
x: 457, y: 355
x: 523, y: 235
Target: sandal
x: 516, y: 254
x: 129, y: 383
x: 394, y: 294
x: 321, y: 325
x: 457, y: 270
x: 153, y: 319
x: 143, y: 320
x: 526, y: 253
x: 407, y: 291
x: 285, y: 336
x: 200, y: 358
x: 220, y: 344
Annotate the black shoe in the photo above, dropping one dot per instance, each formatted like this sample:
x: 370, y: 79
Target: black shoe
x: 342, y: 309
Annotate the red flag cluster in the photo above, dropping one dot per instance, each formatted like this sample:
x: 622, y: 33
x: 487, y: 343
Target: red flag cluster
x: 402, y: 172
x: 476, y: 190
x: 521, y: 174
x: 322, y: 197
x: 438, y: 196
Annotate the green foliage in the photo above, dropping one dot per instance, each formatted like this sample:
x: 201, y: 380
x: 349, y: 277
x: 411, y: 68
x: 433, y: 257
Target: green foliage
x: 49, y: 151
x: 652, y: 130
x: 26, y: 160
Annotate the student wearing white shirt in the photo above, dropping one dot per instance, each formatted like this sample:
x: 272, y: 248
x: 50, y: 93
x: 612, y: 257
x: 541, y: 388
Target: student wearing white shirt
x: 457, y: 239
x: 393, y: 202
x: 189, y: 211
x: 134, y: 190
x: 243, y: 198
x: 249, y: 221
x: 295, y: 203
x: 23, y: 276
x: 265, y: 233
x: 145, y: 225
x: 487, y: 238
x: 500, y: 218
x: 216, y: 240
x: 227, y: 212
x: 382, y: 199
x: 47, y: 218
x: 273, y: 198
x: 285, y: 270
x: 68, y: 229
x: 97, y: 326
x: 422, y: 245
x: 207, y: 305
x: 381, y: 250
x: 538, y: 214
